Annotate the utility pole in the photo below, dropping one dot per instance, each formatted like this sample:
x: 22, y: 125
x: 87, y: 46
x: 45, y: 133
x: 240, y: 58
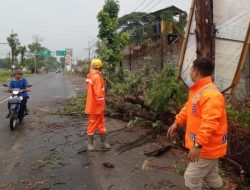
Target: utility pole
x: 33, y: 55
x: 130, y: 58
x: 35, y: 62
x: 205, y: 29
x: 13, y: 57
x: 89, y: 49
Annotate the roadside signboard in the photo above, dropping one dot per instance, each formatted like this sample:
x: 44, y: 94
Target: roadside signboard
x: 44, y: 53
x: 68, y: 60
x: 60, y: 53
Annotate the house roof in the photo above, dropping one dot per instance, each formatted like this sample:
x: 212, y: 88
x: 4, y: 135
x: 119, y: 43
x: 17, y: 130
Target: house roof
x: 175, y: 10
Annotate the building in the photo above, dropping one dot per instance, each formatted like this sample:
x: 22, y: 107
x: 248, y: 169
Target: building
x: 159, y: 26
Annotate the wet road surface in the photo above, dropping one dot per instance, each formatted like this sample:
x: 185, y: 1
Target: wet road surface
x: 42, y: 152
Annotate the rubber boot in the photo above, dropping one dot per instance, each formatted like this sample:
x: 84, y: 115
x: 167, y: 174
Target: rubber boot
x: 90, y: 142
x: 104, y: 141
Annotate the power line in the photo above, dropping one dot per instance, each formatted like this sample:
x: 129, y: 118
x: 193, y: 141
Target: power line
x: 154, y: 6
x: 147, y: 5
x: 92, y: 40
x: 140, y: 5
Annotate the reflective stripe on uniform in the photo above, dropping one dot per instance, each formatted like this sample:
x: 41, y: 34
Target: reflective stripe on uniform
x: 199, y: 94
x: 89, y: 81
x: 99, y: 99
x: 224, y: 139
x: 192, y: 137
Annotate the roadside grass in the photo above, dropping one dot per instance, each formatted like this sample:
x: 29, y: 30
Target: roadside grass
x: 4, y: 76
x: 74, y: 106
x: 27, y: 73
x: 49, y: 160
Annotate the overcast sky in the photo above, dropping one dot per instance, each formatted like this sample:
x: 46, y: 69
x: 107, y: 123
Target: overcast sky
x: 65, y: 23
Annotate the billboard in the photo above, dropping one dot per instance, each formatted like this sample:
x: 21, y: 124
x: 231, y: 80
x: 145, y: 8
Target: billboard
x: 69, y: 51
x: 231, y: 19
x: 69, y: 56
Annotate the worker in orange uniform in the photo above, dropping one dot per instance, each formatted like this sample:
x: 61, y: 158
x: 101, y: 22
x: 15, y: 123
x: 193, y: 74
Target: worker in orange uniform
x: 95, y: 104
x: 204, y: 115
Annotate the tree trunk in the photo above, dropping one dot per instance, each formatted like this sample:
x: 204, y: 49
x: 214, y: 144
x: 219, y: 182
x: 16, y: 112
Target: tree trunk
x: 22, y: 60
x: 205, y: 29
x: 12, y: 58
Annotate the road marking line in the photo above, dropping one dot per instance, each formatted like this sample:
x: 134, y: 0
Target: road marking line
x: 3, y: 100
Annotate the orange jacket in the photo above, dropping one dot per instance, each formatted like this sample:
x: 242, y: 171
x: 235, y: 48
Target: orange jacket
x: 95, y: 101
x: 205, y: 117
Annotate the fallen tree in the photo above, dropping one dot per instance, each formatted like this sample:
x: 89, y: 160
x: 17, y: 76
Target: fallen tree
x: 154, y: 97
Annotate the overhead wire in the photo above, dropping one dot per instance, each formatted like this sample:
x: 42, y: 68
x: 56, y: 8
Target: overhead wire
x: 147, y: 5
x: 154, y: 5
x: 140, y: 5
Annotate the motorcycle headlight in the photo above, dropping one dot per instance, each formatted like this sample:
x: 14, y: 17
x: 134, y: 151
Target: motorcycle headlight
x: 21, y: 98
x: 15, y: 92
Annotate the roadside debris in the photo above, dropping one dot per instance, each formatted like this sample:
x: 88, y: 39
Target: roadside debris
x: 146, y: 165
x: 46, y: 111
x: 83, y: 150
x: 108, y: 165
x: 59, y: 183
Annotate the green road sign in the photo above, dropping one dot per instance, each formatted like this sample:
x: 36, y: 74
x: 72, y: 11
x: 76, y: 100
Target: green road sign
x: 44, y: 53
x: 60, y: 53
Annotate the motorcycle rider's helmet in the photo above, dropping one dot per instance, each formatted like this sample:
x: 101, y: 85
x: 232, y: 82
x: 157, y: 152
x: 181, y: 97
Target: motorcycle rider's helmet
x: 18, y: 72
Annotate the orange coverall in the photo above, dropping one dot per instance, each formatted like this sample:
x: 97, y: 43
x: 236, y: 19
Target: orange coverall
x: 205, y: 117
x: 95, y: 102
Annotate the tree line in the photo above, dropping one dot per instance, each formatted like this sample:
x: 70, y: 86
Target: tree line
x: 22, y: 56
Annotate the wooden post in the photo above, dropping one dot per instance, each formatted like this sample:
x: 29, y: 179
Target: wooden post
x: 185, y: 40
x: 205, y: 29
x: 241, y: 62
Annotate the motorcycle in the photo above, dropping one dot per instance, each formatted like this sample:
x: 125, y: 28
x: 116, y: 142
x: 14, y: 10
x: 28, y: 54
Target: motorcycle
x: 14, y: 102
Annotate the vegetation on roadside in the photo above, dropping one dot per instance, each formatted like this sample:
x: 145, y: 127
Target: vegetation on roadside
x: 146, y: 94
x: 240, y: 116
x: 110, y: 42
x: 28, y: 57
x: 50, y: 160
x: 166, y: 95
x: 74, y: 106
x: 4, y: 76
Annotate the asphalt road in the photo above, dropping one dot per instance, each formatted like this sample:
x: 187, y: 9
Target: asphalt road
x: 43, y: 151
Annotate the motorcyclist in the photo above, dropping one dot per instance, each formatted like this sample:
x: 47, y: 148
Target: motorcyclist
x: 21, y: 83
